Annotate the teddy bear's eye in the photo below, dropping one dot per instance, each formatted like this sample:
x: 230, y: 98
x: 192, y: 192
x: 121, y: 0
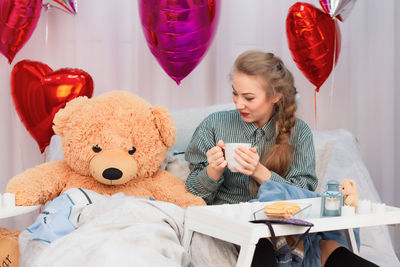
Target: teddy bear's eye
x: 96, y: 148
x: 132, y: 150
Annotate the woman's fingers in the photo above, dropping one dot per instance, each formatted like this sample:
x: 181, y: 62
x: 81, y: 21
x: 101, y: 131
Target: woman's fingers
x: 242, y: 170
x: 223, y: 164
x: 215, y: 157
x: 248, y: 158
x: 219, y: 160
x: 221, y: 144
x: 243, y: 153
x: 244, y: 163
x: 249, y: 155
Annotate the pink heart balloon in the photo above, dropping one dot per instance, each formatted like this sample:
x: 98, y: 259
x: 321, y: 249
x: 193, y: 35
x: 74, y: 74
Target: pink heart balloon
x: 18, y: 19
x: 179, y: 32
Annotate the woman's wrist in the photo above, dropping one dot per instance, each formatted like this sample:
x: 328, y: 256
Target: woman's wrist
x: 261, y: 174
x: 213, y: 173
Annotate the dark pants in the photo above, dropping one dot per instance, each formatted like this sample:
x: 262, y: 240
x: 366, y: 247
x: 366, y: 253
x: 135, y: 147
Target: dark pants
x: 264, y: 256
x: 344, y: 257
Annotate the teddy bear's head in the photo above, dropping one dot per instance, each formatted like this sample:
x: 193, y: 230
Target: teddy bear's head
x: 114, y: 137
x: 348, y: 187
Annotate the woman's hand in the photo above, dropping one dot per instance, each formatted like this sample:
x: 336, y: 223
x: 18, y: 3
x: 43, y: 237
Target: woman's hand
x: 216, y: 161
x: 250, y: 160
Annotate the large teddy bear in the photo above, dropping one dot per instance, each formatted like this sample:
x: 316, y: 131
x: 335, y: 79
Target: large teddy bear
x: 113, y: 143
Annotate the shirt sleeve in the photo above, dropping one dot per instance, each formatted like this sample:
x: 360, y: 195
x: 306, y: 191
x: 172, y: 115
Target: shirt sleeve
x: 302, y: 172
x: 198, y: 182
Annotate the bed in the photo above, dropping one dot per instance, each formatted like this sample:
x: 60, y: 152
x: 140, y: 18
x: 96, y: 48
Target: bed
x: 122, y: 230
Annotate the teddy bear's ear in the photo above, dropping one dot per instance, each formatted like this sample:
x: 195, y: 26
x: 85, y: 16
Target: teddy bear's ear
x: 64, y: 115
x: 165, y: 125
x: 352, y: 183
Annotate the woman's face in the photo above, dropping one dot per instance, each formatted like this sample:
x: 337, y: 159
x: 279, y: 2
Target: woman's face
x: 251, y: 99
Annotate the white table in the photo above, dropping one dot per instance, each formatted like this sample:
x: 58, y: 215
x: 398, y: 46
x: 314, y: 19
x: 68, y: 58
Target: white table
x: 231, y: 223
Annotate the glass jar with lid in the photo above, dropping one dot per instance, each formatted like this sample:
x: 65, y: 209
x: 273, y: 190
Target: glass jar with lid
x: 332, y: 200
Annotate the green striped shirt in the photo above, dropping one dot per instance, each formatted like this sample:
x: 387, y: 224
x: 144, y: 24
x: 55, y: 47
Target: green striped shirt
x: 233, y: 187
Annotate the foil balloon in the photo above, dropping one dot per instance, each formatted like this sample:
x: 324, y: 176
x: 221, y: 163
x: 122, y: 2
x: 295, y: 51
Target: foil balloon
x: 338, y: 8
x: 179, y: 32
x: 314, y: 41
x: 39, y: 92
x: 68, y: 6
x: 18, y: 20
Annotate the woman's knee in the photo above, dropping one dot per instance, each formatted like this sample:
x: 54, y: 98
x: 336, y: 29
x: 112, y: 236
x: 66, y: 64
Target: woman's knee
x: 327, y: 247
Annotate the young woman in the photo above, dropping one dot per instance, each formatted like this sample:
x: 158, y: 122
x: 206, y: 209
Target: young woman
x: 282, y: 146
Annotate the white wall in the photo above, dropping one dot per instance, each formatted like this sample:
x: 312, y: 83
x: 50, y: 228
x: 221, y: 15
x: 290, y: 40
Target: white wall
x: 396, y: 142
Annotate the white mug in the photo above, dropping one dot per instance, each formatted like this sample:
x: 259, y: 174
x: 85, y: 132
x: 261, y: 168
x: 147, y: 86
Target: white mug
x: 230, y: 154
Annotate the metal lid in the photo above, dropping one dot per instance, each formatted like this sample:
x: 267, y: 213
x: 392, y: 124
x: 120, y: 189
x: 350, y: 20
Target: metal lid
x: 333, y: 182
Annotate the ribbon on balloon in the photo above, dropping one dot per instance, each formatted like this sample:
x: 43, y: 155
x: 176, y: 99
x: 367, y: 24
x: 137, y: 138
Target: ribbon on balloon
x: 179, y: 32
x: 39, y: 92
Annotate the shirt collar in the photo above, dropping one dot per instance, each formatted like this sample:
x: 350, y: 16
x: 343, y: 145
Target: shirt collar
x: 268, y: 129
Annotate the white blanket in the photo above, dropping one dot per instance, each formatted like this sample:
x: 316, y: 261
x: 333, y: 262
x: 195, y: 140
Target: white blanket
x: 126, y: 231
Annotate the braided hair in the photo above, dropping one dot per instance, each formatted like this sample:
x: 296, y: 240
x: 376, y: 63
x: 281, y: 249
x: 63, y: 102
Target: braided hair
x: 277, y: 80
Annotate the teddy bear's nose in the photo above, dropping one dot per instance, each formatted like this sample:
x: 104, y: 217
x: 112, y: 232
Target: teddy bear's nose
x: 112, y: 174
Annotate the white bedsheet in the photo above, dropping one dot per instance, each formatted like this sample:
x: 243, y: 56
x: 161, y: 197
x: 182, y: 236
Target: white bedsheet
x: 126, y: 231
x: 129, y: 231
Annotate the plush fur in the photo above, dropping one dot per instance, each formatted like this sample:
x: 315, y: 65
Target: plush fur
x: 348, y: 188
x: 9, y: 253
x: 113, y: 143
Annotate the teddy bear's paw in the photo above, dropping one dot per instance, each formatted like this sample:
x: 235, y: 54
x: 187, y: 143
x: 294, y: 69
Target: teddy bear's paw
x: 195, y: 201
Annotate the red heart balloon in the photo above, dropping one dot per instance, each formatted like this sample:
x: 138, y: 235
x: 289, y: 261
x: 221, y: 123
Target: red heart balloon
x: 38, y: 93
x: 314, y: 41
x: 18, y: 20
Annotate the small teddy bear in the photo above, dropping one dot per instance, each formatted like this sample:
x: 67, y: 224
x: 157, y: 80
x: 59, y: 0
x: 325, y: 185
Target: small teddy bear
x: 112, y: 143
x: 349, y: 190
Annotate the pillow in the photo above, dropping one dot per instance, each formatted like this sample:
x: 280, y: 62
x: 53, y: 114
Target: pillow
x: 53, y: 151
x: 176, y: 164
x: 187, y: 120
x: 346, y: 162
x: 322, y: 155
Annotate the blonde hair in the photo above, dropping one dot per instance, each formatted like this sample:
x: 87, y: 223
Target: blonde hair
x: 278, y: 80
